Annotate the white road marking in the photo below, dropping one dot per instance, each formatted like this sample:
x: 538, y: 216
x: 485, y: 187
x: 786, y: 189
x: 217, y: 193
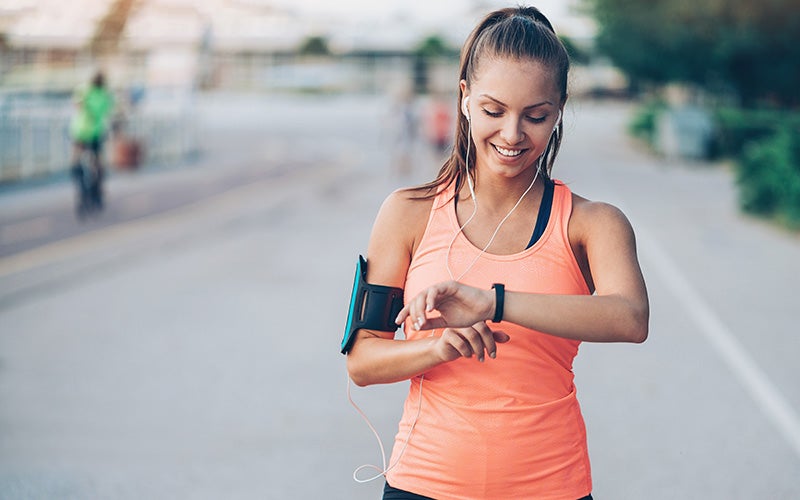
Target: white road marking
x: 768, y: 398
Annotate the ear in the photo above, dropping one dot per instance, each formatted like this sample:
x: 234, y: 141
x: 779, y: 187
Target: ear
x: 464, y: 98
x: 558, y: 120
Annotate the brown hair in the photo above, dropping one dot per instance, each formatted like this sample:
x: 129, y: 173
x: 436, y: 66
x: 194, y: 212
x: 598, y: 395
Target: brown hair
x: 519, y: 33
x: 99, y: 80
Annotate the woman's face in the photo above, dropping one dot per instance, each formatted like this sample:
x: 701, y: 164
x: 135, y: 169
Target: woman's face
x: 513, y: 107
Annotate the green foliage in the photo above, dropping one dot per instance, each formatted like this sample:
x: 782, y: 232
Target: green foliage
x: 577, y: 55
x: 745, y: 51
x: 315, y: 46
x: 737, y: 128
x: 643, y: 123
x: 768, y: 176
x: 748, y: 48
x: 434, y: 46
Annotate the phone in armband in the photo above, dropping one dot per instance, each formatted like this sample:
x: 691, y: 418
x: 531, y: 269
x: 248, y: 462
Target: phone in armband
x: 373, y: 307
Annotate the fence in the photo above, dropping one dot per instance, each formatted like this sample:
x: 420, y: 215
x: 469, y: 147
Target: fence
x: 35, y: 142
x: 34, y: 124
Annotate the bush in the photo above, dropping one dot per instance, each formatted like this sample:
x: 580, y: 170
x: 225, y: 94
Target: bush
x: 643, y: 123
x: 765, y: 147
x: 768, y: 176
x: 737, y: 128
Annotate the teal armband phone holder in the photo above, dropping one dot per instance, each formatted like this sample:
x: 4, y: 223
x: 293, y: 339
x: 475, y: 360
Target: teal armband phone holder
x: 373, y: 307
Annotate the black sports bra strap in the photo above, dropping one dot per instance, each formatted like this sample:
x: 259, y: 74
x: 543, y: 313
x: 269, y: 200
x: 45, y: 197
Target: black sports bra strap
x: 543, y: 217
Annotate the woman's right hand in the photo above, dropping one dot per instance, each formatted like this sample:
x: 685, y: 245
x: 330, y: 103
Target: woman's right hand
x: 475, y: 340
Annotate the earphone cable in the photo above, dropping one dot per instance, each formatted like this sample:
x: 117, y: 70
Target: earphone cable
x: 383, y: 470
x: 475, y: 211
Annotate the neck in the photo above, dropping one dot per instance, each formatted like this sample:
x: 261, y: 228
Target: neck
x: 498, y: 194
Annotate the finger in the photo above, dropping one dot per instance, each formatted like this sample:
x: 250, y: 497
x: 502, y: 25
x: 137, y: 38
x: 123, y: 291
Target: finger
x: 457, y: 342
x: 487, y: 340
x: 430, y: 298
x: 418, y: 311
x: 476, y: 341
x: 423, y: 304
x: 433, y: 323
x: 500, y: 337
x: 401, y: 316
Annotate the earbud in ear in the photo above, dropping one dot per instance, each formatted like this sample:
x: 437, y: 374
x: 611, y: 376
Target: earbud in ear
x: 558, y: 120
x: 465, y: 107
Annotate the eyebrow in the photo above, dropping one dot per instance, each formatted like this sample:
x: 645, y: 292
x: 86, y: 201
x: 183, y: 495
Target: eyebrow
x: 501, y: 103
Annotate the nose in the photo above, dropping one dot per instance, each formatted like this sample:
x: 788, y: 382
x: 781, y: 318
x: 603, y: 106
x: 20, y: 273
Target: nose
x: 511, y: 132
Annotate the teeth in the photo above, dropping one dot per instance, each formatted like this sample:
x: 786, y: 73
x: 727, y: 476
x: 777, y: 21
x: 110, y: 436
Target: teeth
x: 508, y: 152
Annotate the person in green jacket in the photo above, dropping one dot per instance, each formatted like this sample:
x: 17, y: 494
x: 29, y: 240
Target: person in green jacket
x: 88, y: 130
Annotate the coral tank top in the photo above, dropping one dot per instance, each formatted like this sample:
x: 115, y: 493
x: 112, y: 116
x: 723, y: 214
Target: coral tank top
x: 511, y: 427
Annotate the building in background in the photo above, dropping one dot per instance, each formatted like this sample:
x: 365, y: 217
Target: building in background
x: 228, y: 43
x: 158, y: 54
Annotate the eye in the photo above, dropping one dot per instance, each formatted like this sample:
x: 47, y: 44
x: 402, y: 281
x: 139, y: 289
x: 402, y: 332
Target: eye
x: 493, y: 114
x: 536, y: 119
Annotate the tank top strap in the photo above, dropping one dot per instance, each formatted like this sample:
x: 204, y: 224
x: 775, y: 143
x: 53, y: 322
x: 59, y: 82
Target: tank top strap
x: 562, y: 210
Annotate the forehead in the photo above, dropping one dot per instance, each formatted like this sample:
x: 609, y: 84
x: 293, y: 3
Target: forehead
x: 511, y: 75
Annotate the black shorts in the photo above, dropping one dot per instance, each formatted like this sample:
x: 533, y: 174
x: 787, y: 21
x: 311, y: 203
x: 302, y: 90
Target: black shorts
x: 94, y: 145
x: 390, y: 493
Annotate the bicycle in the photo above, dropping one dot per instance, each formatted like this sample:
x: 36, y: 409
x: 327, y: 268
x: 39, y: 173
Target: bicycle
x: 87, y: 173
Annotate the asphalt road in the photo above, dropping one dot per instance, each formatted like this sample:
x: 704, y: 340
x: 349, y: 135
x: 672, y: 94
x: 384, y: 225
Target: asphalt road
x: 185, y: 344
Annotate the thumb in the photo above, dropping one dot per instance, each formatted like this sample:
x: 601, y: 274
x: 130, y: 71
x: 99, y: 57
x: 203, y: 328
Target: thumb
x: 501, y: 337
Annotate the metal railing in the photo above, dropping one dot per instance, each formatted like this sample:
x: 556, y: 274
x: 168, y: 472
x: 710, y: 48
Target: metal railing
x: 35, y: 141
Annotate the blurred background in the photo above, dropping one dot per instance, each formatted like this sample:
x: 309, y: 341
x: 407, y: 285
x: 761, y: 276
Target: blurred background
x: 183, y: 341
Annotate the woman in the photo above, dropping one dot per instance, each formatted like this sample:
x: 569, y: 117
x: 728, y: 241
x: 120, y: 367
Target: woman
x: 505, y: 272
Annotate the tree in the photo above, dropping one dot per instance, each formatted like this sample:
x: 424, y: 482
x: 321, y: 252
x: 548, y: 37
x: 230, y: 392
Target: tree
x: 434, y: 46
x: 748, y: 48
x: 577, y: 55
x: 315, y: 46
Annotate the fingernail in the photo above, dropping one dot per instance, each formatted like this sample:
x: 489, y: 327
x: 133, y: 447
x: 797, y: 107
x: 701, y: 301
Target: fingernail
x: 492, y: 354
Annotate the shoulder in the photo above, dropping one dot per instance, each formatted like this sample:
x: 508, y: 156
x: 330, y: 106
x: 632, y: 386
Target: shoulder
x: 406, y: 212
x: 593, y: 210
x: 406, y: 202
x: 399, y: 226
x: 597, y: 219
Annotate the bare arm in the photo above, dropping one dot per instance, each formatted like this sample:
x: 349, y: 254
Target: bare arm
x: 376, y: 357
x: 617, y: 312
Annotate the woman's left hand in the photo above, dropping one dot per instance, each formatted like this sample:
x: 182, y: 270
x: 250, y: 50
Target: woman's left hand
x: 459, y: 306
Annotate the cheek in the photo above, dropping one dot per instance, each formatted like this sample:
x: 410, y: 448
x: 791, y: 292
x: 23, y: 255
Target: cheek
x: 541, y: 136
x: 482, y: 131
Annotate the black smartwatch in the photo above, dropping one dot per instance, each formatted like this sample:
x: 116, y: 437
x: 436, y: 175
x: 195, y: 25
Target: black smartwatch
x: 500, y: 298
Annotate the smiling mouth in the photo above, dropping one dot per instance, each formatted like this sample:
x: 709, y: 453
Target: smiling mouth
x: 508, y: 153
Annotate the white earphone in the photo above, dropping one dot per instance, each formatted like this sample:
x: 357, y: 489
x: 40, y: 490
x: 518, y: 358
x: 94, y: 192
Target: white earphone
x: 558, y: 120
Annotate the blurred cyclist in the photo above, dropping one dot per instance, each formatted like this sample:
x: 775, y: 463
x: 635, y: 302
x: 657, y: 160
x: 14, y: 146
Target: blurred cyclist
x: 88, y: 131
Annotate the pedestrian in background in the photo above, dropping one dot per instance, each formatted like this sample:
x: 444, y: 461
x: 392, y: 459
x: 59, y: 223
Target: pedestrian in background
x: 505, y: 272
x: 439, y: 126
x: 405, y: 122
x: 88, y: 129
